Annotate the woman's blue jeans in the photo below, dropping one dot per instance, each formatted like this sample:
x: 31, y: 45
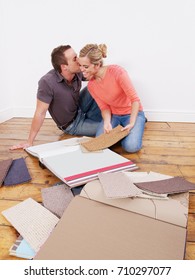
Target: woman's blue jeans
x: 132, y: 143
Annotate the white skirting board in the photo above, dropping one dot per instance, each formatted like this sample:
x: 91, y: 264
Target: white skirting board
x: 9, y: 113
x: 159, y: 116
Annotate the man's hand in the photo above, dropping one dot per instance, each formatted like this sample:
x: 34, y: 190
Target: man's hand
x: 20, y: 146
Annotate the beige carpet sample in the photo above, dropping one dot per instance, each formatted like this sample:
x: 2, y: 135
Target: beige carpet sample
x: 32, y: 220
x: 118, y: 185
x: 105, y: 140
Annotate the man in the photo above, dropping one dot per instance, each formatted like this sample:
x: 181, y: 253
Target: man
x: 74, y: 112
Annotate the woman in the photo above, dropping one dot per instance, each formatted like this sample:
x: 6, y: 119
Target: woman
x: 115, y: 95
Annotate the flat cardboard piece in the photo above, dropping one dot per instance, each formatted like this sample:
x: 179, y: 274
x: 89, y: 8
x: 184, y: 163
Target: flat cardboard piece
x: 138, y: 177
x: 33, y: 221
x: 4, y: 168
x: 105, y: 140
x: 174, y: 210
x: 89, y: 230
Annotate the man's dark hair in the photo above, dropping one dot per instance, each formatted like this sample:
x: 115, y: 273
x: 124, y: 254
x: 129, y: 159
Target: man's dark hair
x: 58, y: 58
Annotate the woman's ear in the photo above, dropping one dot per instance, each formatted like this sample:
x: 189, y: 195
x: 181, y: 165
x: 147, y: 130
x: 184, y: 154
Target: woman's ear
x: 97, y: 66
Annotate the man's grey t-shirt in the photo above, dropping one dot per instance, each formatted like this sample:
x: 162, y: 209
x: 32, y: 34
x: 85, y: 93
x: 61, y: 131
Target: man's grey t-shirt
x: 62, y: 97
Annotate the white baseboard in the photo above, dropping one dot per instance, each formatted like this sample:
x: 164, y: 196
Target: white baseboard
x: 157, y: 116
x: 9, y: 113
x: 6, y: 114
x: 27, y: 112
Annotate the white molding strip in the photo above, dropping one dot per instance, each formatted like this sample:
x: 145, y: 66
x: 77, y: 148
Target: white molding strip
x: 170, y: 116
x: 25, y: 112
x: 6, y: 114
x: 28, y: 112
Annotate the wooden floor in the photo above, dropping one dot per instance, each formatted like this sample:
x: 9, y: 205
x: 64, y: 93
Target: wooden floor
x: 168, y: 148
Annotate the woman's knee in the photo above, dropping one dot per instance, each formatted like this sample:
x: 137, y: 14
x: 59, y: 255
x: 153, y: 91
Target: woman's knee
x: 131, y: 146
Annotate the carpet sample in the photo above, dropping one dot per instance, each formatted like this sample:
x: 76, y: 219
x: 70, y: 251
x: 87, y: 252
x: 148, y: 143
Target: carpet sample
x: 22, y: 249
x: 18, y: 173
x: 169, y: 186
x: 32, y: 220
x: 57, y: 198
x: 4, y: 168
x: 105, y: 140
x: 118, y: 185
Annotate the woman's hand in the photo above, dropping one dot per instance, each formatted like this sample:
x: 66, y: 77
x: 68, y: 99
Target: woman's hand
x: 107, y: 127
x: 128, y: 127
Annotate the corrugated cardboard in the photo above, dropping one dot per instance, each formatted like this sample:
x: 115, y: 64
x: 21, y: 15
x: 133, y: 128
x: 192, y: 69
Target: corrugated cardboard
x: 174, y: 210
x: 90, y: 230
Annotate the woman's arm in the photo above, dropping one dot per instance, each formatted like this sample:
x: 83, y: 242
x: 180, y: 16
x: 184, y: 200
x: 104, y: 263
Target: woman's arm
x: 106, y: 115
x: 134, y: 112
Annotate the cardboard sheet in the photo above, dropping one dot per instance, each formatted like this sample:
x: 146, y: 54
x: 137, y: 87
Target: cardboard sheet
x: 105, y: 140
x: 138, y: 177
x: 89, y: 230
x: 174, y: 210
x: 4, y: 168
x: 33, y: 221
x: 57, y: 198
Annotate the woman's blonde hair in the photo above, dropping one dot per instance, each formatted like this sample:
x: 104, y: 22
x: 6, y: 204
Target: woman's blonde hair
x: 94, y: 52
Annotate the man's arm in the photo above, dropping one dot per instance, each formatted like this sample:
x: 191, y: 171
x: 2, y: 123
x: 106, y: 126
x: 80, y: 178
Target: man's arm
x: 37, y: 122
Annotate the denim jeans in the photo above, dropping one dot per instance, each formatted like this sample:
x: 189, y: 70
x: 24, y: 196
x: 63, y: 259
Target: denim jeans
x: 88, y: 117
x: 133, y: 141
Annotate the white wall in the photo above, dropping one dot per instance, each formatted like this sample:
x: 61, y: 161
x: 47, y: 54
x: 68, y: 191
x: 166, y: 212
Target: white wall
x: 5, y: 95
x: 153, y: 39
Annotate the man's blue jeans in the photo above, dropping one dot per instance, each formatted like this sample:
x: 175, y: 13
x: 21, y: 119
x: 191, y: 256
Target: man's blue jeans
x: 133, y: 141
x: 88, y: 117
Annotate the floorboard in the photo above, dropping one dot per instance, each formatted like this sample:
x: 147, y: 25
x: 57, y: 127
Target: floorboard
x: 168, y: 148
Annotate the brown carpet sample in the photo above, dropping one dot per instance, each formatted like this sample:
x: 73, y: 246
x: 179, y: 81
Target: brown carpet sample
x: 169, y: 186
x: 105, y: 140
x: 4, y: 168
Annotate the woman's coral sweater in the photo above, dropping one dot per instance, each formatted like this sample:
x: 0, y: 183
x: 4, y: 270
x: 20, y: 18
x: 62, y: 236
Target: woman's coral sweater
x: 115, y: 91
